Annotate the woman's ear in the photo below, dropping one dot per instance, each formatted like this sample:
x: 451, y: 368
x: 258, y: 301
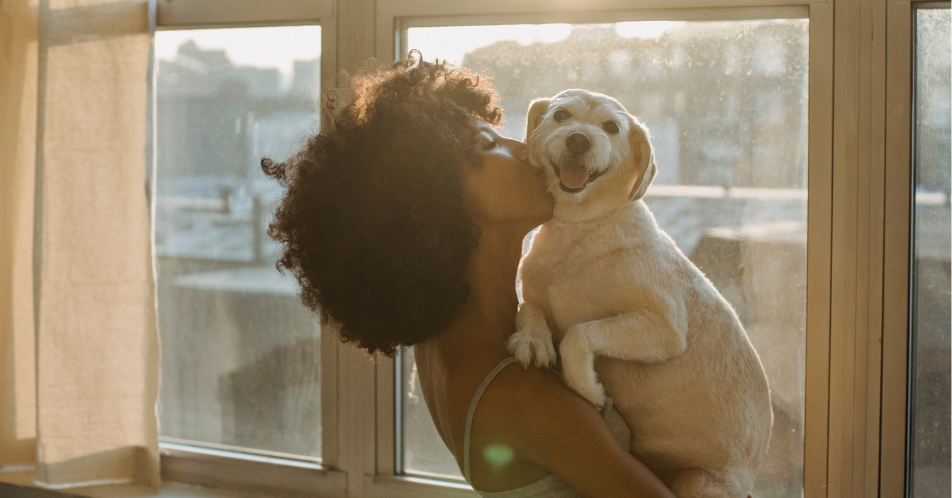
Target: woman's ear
x: 642, y: 154
x: 537, y: 109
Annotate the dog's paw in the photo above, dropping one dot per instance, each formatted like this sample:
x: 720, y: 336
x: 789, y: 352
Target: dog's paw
x: 593, y: 392
x: 533, y: 346
x: 578, y: 370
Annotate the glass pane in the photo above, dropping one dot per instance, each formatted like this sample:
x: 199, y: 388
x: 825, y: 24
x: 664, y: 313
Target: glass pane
x: 930, y: 284
x: 424, y: 452
x: 726, y: 105
x: 240, y: 354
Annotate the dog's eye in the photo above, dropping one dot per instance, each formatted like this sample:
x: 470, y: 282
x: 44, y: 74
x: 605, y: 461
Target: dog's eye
x: 610, y: 127
x: 562, y: 115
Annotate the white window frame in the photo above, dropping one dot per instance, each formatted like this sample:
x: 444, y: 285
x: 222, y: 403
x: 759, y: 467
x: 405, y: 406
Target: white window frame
x: 857, y: 249
x: 221, y: 467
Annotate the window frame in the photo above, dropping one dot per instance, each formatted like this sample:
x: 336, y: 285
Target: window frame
x: 899, y: 243
x: 398, y: 15
x: 208, y: 465
x: 898, y: 149
x: 858, y: 237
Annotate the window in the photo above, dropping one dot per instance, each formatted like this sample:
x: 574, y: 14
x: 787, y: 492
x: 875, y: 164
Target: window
x: 240, y: 355
x: 727, y: 124
x: 769, y: 55
x: 742, y: 132
x: 930, y: 284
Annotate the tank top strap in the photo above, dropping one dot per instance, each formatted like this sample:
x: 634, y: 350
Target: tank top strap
x: 472, y: 410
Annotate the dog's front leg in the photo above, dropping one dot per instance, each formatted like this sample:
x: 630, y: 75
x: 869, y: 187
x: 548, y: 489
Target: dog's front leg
x: 532, y: 341
x: 643, y: 336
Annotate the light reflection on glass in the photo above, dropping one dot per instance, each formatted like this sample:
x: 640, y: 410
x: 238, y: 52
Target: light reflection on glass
x: 930, y: 284
x: 240, y: 354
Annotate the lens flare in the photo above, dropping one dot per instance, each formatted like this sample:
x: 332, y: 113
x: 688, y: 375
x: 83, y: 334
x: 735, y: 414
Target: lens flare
x: 498, y: 454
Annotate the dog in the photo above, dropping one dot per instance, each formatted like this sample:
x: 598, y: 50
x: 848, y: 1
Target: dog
x: 629, y: 314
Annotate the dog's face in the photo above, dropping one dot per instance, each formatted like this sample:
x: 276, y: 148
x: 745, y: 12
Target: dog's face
x: 589, y: 147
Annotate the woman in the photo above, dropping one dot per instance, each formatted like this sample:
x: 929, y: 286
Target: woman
x: 403, y: 223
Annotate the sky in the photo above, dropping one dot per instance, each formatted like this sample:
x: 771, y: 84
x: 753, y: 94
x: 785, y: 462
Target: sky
x: 261, y: 47
x: 280, y: 46
x: 452, y: 42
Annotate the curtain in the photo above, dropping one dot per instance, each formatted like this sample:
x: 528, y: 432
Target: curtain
x: 18, y: 74
x: 78, y: 341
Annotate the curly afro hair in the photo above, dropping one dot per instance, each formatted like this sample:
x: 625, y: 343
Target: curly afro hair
x: 373, y: 221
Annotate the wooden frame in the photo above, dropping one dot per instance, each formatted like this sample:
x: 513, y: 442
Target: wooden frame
x: 899, y: 129
x: 180, y: 14
x: 896, y: 246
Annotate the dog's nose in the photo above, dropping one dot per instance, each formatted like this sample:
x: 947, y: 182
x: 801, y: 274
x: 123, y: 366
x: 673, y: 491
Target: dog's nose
x: 578, y: 142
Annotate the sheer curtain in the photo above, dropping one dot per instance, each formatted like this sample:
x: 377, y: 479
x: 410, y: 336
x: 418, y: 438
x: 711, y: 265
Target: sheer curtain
x: 78, y: 344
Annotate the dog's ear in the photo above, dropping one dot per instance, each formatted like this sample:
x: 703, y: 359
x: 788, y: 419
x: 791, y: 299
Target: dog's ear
x: 537, y: 109
x: 642, y: 153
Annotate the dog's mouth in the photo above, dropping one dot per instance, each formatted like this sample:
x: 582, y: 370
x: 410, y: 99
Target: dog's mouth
x: 574, y: 177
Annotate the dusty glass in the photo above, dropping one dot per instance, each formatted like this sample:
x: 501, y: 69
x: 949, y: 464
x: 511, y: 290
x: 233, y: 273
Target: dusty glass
x: 930, y: 284
x: 240, y: 354
x: 726, y: 105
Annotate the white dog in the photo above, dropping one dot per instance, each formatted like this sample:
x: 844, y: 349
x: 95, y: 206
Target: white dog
x: 611, y: 285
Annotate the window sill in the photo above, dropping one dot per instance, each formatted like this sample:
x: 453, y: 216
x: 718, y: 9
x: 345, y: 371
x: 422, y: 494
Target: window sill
x: 202, y: 473
x: 21, y: 485
x: 248, y: 475
x: 415, y: 487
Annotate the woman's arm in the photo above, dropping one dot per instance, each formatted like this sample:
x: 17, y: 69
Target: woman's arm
x: 547, y: 423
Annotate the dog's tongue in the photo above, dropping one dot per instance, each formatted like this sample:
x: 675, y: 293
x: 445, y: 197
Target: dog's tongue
x: 573, y: 176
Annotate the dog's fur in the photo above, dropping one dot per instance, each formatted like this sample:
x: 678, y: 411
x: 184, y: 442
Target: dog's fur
x: 610, y: 284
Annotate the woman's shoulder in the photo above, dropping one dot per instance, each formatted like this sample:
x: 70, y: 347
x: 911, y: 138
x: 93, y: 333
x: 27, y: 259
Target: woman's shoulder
x: 517, y: 382
x: 512, y: 416
x: 523, y: 401
x: 547, y: 424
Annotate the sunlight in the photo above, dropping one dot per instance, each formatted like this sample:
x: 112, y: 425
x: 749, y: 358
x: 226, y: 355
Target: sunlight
x: 248, y: 46
x: 551, y: 33
x: 452, y: 43
x: 644, y: 29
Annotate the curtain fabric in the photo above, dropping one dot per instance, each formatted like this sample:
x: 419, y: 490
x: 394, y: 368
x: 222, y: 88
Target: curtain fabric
x: 78, y: 340
x: 18, y: 95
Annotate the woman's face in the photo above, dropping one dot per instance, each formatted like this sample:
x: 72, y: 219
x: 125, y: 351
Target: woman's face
x: 506, y: 189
